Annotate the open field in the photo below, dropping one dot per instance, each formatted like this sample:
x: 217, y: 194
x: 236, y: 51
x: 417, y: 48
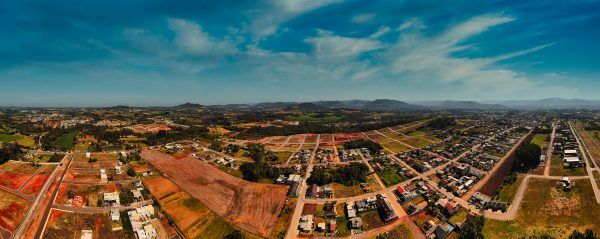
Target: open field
x: 400, y: 232
x: 395, y: 147
x: 592, y: 140
x: 507, y: 192
x: 190, y: 216
x: 12, y: 211
x: 390, y: 176
x: 540, y: 140
x: 66, y: 141
x: 91, y: 193
x: 251, y: 206
x: 63, y: 224
x: 17, y: 176
x: 547, y: 209
x: 35, y: 184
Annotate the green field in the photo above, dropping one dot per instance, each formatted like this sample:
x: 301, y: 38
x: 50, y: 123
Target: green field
x: 547, y: 209
x: 390, y: 176
x: 220, y: 228
x: 557, y: 169
x: 66, y: 141
x: 540, y: 140
x: 507, y: 192
x: 310, y: 117
x: 7, y: 138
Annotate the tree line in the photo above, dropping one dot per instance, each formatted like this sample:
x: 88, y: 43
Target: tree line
x: 350, y: 175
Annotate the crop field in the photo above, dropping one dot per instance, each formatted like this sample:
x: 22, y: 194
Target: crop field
x: 63, y: 224
x: 396, y: 147
x: 37, y: 182
x: 12, y: 211
x: 416, y: 142
x: 17, y: 176
x: 190, y: 216
x: 547, y: 209
x: 253, y: 207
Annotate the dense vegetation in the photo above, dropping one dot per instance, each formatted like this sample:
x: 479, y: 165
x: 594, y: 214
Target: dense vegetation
x: 372, y: 146
x: 472, y: 229
x: 442, y: 122
x: 347, y: 175
x: 256, y: 171
x: 527, y: 157
x: 163, y: 137
x: 10, y: 151
x: 319, y: 127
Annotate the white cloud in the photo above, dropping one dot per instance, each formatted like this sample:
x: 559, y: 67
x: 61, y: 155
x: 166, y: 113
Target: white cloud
x: 267, y: 20
x: 412, y: 23
x: 330, y: 46
x: 191, y: 39
x: 363, y: 18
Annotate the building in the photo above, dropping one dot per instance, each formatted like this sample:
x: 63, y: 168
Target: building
x: 385, y: 208
x: 103, y: 176
x: 137, y: 195
x: 111, y: 199
x: 87, y: 234
x: 114, y: 214
x: 356, y: 223
x: 306, y: 223
x: 442, y: 231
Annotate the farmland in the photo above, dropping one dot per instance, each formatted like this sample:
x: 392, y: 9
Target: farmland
x: 253, y: 207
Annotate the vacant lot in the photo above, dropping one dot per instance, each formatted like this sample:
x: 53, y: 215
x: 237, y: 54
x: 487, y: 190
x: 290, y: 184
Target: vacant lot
x: 17, y: 176
x: 12, y: 211
x: 190, y: 216
x: 64, y: 224
x: 548, y: 209
x: 400, y: 232
x: 253, y: 207
x: 37, y: 182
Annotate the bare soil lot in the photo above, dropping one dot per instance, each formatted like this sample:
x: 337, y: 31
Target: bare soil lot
x: 253, y: 207
x: 12, y: 211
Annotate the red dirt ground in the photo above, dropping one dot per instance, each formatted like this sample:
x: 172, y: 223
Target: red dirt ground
x: 35, y: 185
x: 10, y: 216
x: 13, y: 181
x: 253, y: 207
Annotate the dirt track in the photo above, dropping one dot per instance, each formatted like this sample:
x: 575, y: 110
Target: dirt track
x: 253, y: 207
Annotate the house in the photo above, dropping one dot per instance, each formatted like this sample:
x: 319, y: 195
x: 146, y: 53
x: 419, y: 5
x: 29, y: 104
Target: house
x: 329, y: 209
x: 88, y: 155
x: 442, y: 231
x: 281, y: 179
x: 114, y: 214
x: 150, y: 231
x: 118, y: 170
x: 103, y: 176
x: 87, y: 234
x: 566, y: 183
x: 356, y: 223
x: 111, y: 199
x: 306, y: 223
x: 332, y: 226
x: 137, y: 195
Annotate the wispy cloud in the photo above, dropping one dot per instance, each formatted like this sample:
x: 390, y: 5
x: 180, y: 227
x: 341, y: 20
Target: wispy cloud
x: 363, y: 18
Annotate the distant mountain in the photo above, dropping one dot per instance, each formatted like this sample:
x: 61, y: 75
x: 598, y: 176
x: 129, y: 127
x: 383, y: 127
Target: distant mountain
x: 551, y: 103
x: 272, y: 105
x: 309, y: 107
x: 190, y: 106
x: 452, y: 104
x: 390, y: 105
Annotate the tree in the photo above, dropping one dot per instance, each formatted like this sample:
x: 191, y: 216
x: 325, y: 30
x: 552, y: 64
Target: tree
x: 473, y: 229
x: 527, y: 157
x: 237, y: 234
x: 372, y: 146
x: 589, y: 234
x: 131, y: 172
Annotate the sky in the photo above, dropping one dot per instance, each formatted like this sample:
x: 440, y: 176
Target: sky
x: 160, y: 53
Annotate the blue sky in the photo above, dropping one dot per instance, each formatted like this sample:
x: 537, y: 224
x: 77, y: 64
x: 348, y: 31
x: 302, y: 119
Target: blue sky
x: 148, y: 52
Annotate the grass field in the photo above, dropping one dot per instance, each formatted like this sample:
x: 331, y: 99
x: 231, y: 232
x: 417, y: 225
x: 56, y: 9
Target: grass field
x: 7, y: 138
x: 341, y: 220
x: 540, y: 140
x: 342, y: 191
x: 547, y: 209
x: 66, y: 141
x: 390, y: 176
x: 400, y: 232
x: 507, y: 192
x: 557, y: 169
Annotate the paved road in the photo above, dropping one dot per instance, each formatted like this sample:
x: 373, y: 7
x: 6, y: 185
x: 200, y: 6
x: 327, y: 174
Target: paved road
x: 364, y: 160
x: 101, y: 209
